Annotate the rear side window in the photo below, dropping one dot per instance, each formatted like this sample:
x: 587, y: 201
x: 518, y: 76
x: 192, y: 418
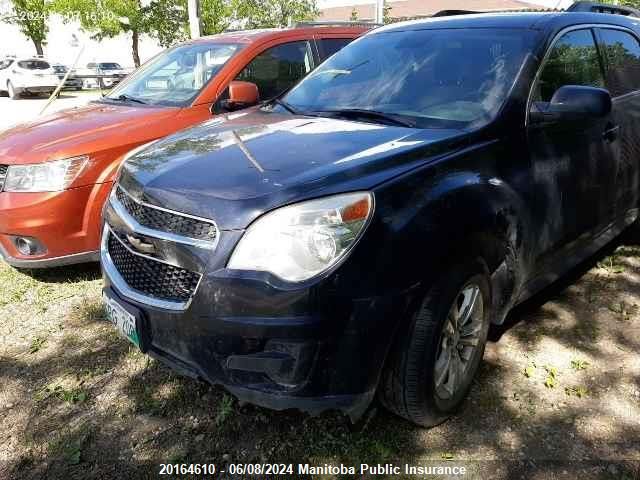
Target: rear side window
x: 573, y: 60
x: 278, y: 69
x: 33, y: 64
x: 622, y: 53
x: 329, y: 46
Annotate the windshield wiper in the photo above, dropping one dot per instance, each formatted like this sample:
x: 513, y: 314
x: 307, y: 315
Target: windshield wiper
x: 284, y: 105
x: 354, y: 113
x: 127, y: 98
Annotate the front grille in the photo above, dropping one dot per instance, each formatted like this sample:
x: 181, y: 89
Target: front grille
x: 150, y: 277
x: 3, y: 175
x: 166, y: 221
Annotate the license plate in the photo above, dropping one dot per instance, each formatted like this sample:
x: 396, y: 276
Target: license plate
x: 124, y: 321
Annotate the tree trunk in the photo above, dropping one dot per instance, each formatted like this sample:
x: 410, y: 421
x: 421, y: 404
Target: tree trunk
x: 38, y: 45
x: 134, y: 45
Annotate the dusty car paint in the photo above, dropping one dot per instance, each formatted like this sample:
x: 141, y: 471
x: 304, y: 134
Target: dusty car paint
x: 505, y: 192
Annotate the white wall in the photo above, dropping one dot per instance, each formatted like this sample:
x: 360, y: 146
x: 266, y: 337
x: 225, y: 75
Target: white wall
x: 59, y: 48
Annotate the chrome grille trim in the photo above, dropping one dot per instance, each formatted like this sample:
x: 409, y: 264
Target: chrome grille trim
x: 135, y: 226
x: 123, y: 287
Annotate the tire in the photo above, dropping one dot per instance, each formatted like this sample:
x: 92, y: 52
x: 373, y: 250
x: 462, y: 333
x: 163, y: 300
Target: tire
x: 14, y: 93
x: 412, y: 386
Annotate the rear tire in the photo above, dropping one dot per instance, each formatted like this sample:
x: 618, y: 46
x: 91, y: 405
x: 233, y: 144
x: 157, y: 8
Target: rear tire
x: 14, y: 93
x: 418, y: 383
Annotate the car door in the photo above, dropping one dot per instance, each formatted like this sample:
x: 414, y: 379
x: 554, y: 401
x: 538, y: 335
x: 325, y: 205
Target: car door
x: 573, y: 163
x: 621, y: 54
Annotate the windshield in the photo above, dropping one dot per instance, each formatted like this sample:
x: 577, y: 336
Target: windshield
x: 448, y: 78
x: 110, y: 66
x: 34, y: 65
x: 175, y: 77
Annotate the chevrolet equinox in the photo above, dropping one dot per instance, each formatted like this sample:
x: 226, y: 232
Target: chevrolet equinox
x: 358, y: 235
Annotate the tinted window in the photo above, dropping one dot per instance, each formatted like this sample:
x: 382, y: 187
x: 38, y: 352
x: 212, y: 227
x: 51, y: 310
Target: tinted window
x: 33, y: 64
x: 279, y: 68
x: 329, y: 46
x: 434, y: 78
x: 623, y: 61
x: 110, y: 66
x: 574, y: 60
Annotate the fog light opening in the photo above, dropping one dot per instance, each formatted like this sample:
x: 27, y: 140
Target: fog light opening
x: 27, y: 246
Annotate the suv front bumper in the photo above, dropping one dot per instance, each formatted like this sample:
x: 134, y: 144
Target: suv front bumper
x: 294, y: 359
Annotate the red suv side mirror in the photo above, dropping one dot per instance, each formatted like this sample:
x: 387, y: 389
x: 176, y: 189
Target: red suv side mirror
x: 241, y: 95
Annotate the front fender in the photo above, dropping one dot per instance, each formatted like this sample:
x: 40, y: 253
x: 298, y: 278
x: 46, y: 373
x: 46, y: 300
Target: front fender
x: 460, y: 208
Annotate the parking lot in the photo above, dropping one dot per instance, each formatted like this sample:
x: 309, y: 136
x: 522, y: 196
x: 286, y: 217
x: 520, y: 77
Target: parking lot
x: 28, y: 108
x: 558, y: 395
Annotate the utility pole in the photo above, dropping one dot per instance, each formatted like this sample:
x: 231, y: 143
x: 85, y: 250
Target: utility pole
x: 380, y: 11
x: 194, y: 18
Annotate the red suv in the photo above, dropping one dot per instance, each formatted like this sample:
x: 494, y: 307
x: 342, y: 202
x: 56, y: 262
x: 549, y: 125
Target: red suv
x: 56, y: 172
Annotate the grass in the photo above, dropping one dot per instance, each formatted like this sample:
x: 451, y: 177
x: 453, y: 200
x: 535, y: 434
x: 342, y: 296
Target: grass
x: 87, y: 404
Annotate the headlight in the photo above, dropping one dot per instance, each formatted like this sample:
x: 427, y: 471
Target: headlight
x: 44, y: 177
x: 301, y: 241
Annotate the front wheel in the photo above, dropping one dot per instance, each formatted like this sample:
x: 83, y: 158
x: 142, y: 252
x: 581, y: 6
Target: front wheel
x: 434, y: 361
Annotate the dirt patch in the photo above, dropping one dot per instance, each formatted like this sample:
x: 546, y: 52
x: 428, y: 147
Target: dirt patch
x: 558, y: 395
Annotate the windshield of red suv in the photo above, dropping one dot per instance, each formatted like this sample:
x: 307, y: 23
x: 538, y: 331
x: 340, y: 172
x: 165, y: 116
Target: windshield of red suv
x: 447, y: 78
x: 175, y: 77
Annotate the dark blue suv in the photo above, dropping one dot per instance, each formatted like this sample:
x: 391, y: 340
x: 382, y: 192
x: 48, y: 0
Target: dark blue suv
x: 359, y: 234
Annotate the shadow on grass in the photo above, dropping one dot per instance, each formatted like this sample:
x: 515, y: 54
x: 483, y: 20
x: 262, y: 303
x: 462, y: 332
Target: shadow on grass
x: 68, y: 274
x: 136, y: 413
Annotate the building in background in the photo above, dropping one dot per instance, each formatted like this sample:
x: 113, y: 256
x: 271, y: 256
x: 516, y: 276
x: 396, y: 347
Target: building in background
x: 403, y: 9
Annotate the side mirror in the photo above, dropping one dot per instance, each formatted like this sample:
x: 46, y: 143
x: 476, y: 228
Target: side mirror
x: 241, y: 95
x: 572, y: 103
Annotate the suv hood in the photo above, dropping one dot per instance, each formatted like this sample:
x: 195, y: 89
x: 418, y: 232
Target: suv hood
x: 235, y: 168
x: 79, y: 131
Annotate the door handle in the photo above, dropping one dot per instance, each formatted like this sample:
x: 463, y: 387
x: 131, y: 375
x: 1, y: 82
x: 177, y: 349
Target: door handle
x: 611, y: 133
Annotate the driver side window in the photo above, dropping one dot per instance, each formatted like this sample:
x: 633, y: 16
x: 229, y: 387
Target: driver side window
x: 574, y: 60
x: 279, y: 68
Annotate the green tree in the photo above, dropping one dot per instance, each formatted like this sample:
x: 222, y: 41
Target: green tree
x: 31, y: 17
x: 217, y: 16
x: 164, y: 20
x: 625, y: 3
x: 386, y: 14
x: 275, y: 13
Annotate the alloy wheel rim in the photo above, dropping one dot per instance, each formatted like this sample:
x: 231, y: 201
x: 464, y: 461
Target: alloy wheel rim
x: 459, y: 341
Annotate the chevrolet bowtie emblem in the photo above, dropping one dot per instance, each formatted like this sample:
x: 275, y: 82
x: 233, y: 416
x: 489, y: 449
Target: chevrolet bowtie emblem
x: 141, y: 246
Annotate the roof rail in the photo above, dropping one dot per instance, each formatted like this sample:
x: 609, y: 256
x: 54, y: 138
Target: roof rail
x: 449, y: 13
x: 331, y: 23
x: 596, y: 7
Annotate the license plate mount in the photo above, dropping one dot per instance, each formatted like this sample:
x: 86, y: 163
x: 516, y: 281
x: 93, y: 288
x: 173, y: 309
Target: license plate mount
x: 126, y: 318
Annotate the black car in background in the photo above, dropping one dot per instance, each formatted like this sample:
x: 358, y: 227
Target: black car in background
x: 360, y: 234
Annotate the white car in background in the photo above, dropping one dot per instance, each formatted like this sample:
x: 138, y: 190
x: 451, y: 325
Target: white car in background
x: 114, y: 72
x: 27, y: 75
